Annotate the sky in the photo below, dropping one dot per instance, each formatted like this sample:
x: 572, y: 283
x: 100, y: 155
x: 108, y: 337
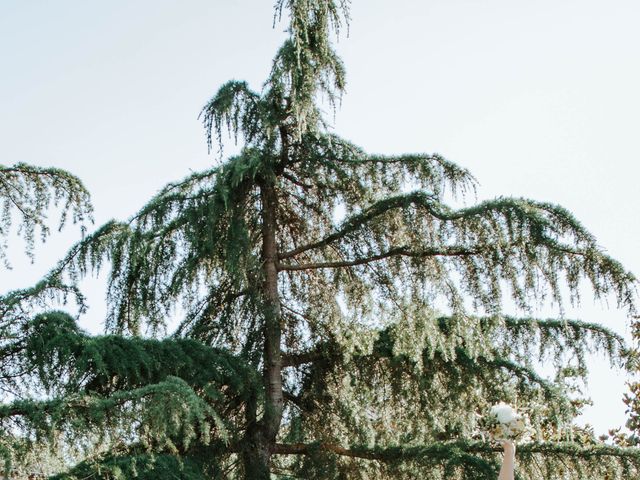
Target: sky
x: 538, y: 99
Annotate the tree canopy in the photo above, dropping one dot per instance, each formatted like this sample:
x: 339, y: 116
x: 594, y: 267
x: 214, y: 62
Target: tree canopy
x: 343, y: 312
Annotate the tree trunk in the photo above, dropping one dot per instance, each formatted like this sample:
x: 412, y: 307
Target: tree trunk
x: 261, y: 436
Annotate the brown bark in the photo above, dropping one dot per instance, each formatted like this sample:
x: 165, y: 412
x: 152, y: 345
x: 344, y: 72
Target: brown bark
x: 261, y: 436
x: 273, y: 354
x: 303, y: 449
x: 394, y: 252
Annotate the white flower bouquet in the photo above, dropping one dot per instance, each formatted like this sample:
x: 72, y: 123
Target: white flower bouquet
x: 503, y: 422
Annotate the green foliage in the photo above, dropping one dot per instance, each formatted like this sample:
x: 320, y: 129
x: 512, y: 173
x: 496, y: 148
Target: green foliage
x: 631, y: 399
x: 141, y: 466
x: 478, y: 461
x: 422, y: 385
x: 307, y: 260
x: 169, y: 395
x: 28, y: 192
x: 55, y: 348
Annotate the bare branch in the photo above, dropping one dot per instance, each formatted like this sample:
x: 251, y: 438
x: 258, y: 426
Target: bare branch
x: 297, y: 359
x: 403, y: 251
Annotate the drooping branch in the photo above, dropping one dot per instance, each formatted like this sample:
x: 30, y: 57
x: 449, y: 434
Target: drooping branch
x: 56, y: 348
x: 140, y: 413
x: 351, y: 224
x: 30, y: 191
x: 521, y: 243
x: 564, y: 325
x: 234, y: 106
x: 559, y: 336
x: 566, y: 336
x: 524, y: 373
x: 137, y: 462
x: 91, y: 407
x: 430, y: 205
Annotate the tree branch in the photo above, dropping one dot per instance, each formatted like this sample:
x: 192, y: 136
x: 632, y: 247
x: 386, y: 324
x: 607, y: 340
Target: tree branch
x: 295, y: 181
x: 445, y: 449
x: 304, y: 449
x: 505, y: 206
x: 356, y: 221
x: 404, y: 251
x: 290, y: 397
x: 296, y: 359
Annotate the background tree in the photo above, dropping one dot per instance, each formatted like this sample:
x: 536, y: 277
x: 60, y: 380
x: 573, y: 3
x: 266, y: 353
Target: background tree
x: 313, y: 277
x: 27, y: 193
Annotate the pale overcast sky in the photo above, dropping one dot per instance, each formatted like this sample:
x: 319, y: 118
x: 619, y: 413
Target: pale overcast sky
x: 539, y: 99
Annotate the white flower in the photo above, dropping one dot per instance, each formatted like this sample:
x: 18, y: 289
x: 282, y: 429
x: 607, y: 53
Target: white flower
x: 504, y: 413
x: 504, y: 423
